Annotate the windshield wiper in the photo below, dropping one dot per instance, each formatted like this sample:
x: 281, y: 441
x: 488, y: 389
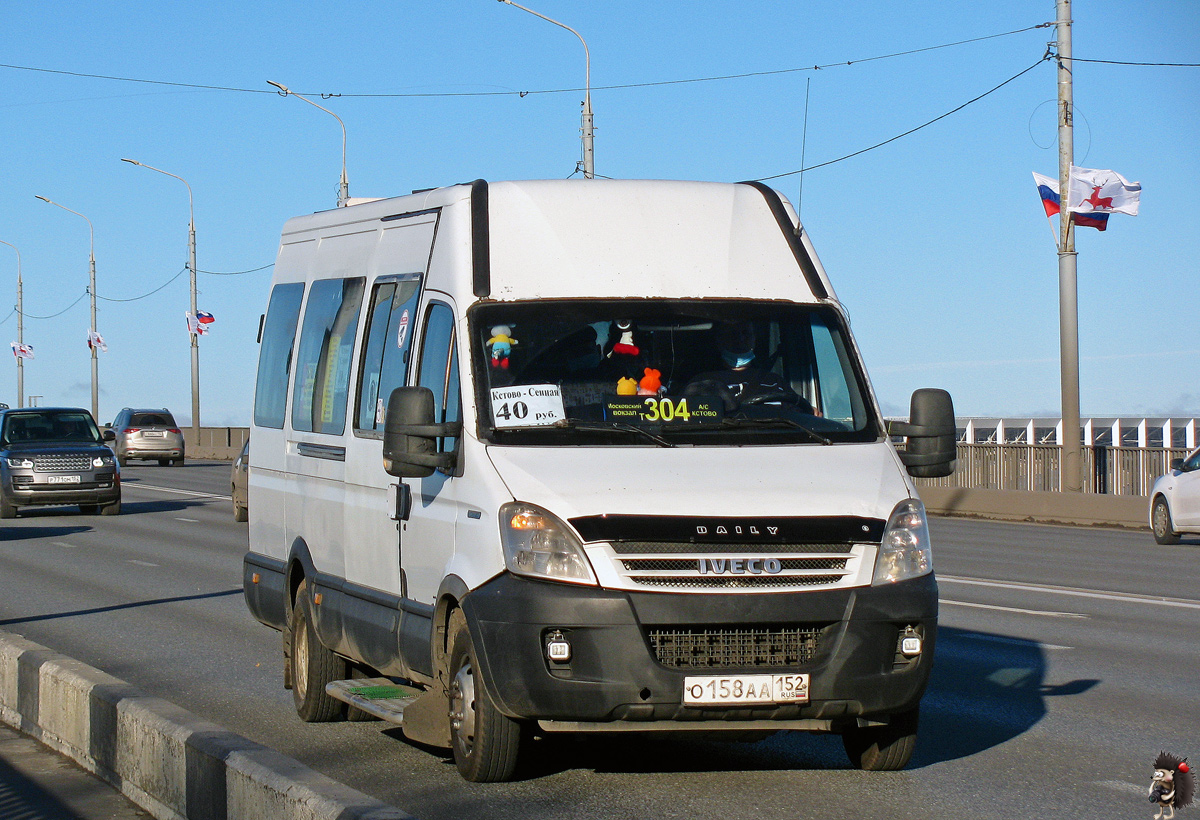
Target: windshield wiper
x: 623, y: 426
x: 769, y: 422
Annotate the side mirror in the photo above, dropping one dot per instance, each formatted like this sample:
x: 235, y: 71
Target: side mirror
x: 932, y: 446
x: 109, y: 435
x: 1177, y: 465
x: 410, y: 435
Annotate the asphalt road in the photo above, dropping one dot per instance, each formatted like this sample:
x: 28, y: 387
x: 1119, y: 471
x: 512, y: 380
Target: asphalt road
x: 1067, y: 659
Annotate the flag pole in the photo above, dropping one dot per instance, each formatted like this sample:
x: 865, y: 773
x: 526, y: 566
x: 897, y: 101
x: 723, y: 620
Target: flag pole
x: 1071, y: 468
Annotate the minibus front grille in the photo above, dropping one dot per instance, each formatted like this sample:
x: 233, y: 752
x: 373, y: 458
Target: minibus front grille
x: 767, y: 647
x: 689, y: 565
x: 736, y: 582
x: 669, y: 547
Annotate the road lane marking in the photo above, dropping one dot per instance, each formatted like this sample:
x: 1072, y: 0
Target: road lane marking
x: 189, y: 520
x: 1076, y: 592
x: 1013, y: 641
x: 1047, y: 613
x: 64, y: 544
x: 142, y: 563
x: 140, y: 486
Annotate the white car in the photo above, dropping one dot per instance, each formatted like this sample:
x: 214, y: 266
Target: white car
x: 1175, y: 500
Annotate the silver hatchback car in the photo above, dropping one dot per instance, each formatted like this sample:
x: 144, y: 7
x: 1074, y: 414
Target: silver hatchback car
x: 148, y: 434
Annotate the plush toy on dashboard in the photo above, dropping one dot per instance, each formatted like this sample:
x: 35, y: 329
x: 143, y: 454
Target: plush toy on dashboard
x: 627, y: 387
x: 651, y: 383
x: 624, y: 345
x: 501, y: 344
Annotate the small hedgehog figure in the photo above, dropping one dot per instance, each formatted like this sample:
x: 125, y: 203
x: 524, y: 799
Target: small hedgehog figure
x: 1172, y: 786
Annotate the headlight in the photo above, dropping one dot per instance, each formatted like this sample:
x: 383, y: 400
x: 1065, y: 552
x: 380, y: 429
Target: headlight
x: 538, y: 545
x: 905, y: 551
x: 25, y: 463
x: 102, y: 461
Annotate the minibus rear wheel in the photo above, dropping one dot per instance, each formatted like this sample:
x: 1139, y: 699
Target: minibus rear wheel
x: 882, y: 748
x: 485, y: 741
x: 312, y: 666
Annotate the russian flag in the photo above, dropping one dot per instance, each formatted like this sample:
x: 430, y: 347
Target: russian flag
x: 204, y: 318
x: 1048, y: 191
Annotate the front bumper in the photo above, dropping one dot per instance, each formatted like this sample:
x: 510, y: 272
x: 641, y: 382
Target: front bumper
x: 85, y: 492
x: 615, y: 678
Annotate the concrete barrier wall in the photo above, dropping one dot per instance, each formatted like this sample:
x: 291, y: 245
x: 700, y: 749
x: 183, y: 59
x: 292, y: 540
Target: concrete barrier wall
x: 222, y: 443
x: 1087, y: 509
x: 168, y: 761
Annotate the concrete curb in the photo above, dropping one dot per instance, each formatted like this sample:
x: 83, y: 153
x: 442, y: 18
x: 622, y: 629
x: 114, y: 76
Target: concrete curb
x: 1082, y: 509
x: 168, y: 761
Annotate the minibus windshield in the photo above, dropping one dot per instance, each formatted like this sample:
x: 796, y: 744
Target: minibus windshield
x: 685, y: 371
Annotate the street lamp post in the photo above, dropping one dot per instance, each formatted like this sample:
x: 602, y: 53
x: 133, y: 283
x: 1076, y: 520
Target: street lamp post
x: 192, y: 283
x: 589, y: 164
x: 20, y: 329
x: 92, y: 293
x: 344, y: 187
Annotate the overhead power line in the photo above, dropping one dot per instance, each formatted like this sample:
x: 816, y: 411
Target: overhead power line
x: 203, y: 87
x: 61, y: 312
x: 151, y: 293
x: 1125, y: 62
x: 236, y: 272
x: 909, y: 131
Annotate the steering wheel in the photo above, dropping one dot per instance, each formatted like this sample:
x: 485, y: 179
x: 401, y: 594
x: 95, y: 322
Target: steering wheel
x: 772, y: 397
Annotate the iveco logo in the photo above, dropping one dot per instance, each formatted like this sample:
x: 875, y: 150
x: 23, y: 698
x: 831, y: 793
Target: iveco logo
x: 737, y: 529
x: 740, y: 566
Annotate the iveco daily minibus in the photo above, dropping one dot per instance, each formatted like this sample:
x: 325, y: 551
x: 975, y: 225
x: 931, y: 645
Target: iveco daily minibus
x: 585, y: 456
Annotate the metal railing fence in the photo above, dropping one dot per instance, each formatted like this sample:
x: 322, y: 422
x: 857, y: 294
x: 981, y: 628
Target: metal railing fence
x: 1108, y: 470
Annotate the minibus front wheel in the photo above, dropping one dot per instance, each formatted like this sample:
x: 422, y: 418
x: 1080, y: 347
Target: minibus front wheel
x: 485, y: 742
x: 312, y: 666
x: 883, y: 748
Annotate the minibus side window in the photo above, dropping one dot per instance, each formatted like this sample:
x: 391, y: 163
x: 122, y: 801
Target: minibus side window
x: 834, y: 375
x: 439, y: 369
x: 275, y: 356
x: 321, y: 388
x: 385, y: 350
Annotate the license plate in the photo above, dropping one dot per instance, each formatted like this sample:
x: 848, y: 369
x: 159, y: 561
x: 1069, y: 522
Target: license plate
x: 720, y: 690
x: 63, y: 479
x: 153, y: 434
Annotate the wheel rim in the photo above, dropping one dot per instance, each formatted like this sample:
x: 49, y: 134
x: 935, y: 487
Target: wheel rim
x: 462, y: 708
x: 300, y: 659
x: 1160, y: 519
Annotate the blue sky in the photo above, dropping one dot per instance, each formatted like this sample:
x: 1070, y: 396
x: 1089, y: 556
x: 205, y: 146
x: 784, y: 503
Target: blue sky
x: 936, y: 242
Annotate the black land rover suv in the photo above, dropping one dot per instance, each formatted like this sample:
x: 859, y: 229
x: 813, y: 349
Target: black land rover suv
x: 55, y: 455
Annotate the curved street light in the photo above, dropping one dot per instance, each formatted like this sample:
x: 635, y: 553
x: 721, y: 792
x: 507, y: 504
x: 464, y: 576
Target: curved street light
x: 92, y: 293
x: 20, y: 329
x: 344, y: 188
x: 192, y: 282
x: 589, y: 164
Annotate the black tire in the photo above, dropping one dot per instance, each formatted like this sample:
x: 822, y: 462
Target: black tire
x: 123, y: 460
x: 883, y: 748
x: 7, y: 510
x: 1163, y: 526
x: 164, y: 462
x: 313, y: 666
x: 486, y: 743
x: 89, y: 509
x: 111, y: 509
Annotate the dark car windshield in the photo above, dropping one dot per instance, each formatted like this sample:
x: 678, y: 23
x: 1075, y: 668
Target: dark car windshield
x: 690, y: 372
x: 151, y: 420
x: 48, y: 426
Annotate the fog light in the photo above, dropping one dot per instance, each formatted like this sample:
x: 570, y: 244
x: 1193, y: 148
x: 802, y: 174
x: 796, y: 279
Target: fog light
x: 910, y: 646
x: 557, y: 648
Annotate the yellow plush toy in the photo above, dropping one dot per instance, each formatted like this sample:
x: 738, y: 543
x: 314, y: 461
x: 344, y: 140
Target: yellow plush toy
x: 627, y: 387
